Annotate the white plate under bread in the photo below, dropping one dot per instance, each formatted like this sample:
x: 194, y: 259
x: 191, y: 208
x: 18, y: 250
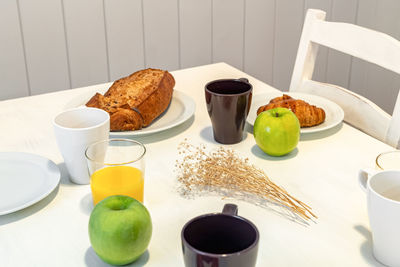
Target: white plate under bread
x: 181, y: 108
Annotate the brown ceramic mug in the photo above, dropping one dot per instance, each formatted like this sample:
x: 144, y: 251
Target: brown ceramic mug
x: 220, y: 240
x: 228, y: 104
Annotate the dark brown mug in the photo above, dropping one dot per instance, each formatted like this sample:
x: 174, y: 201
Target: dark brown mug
x: 228, y: 104
x: 220, y: 240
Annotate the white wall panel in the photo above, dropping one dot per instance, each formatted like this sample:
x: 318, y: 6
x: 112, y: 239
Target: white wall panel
x: 358, y: 79
x: 339, y: 64
x: 322, y: 58
x: 379, y: 85
x: 124, y: 29
x: 86, y: 40
x: 161, y: 31
x: 195, y: 32
x: 45, y: 47
x: 288, y: 26
x: 259, y: 39
x: 228, y: 32
x: 13, y: 77
x: 49, y: 45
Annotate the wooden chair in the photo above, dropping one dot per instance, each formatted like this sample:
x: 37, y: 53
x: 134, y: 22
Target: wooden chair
x: 366, y: 44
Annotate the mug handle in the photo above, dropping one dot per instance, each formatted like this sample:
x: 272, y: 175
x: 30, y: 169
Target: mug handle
x: 230, y: 209
x: 363, y: 176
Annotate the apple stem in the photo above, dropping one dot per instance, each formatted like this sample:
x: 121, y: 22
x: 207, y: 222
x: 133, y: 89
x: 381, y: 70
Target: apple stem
x: 276, y: 114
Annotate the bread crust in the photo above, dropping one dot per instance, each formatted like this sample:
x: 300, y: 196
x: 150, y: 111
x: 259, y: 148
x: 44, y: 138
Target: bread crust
x: 160, y: 98
x: 135, y: 101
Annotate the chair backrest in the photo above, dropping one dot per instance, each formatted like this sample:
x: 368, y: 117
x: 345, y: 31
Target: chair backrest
x: 366, y: 44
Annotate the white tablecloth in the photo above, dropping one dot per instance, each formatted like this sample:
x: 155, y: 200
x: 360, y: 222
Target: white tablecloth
x: 321, y: 172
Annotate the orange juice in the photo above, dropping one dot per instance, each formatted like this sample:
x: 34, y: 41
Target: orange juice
x: 117, y: 180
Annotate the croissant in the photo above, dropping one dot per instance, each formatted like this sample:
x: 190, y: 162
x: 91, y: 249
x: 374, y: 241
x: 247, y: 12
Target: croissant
x: 308, y: 115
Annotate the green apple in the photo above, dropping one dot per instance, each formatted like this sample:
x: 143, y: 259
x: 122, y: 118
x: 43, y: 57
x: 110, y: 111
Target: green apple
x: 119, y: 229
x: 277, y: 131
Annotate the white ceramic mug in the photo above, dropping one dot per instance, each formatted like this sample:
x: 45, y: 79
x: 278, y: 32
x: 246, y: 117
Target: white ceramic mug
x: 75, y: 129
x: 383, y: 201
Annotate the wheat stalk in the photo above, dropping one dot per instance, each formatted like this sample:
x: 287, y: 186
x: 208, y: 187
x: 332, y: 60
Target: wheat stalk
x: 225, y: 170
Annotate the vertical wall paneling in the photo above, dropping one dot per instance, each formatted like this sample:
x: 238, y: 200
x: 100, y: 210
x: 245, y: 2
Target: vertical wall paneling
x: 45, y: 47
x: 161, y: 31
x: 13, y: 77
x: 86, y: 42
x: 379, y: 85
x: 195, y: 32
x: 49, y: 45
x: 228, y: 32
x: 259, y: 39
x: 358, y: 78
x: 288, y: 25
x: 322, y: 57
x: 339, y: 64
x: 124, y: 29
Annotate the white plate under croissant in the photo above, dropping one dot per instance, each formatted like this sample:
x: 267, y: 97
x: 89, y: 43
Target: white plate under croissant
x: 334, y: 113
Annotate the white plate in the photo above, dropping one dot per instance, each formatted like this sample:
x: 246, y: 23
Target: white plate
x: 334, y: 114
x: 25, y: 179
x: 181, y: 108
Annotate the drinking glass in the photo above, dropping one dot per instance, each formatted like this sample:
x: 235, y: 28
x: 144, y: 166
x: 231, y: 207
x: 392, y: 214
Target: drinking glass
x: 116, y: 167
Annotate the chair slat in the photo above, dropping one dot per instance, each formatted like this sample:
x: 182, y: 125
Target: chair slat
x: 372, y: 46
x: 360, y: 112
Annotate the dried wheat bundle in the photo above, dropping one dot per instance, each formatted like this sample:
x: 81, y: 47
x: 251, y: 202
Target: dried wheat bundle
x: 225, y: 170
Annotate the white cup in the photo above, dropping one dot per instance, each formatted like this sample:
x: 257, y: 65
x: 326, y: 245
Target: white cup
x: 75, y: 129
x: 383, y: 202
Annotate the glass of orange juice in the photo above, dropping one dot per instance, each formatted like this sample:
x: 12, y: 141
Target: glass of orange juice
x: 116, y: 167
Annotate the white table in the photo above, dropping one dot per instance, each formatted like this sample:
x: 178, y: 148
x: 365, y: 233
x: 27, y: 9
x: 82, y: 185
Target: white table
x: 322, y: 172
